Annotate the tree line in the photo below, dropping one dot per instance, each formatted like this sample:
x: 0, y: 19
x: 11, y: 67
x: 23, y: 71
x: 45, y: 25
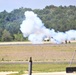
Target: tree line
x: 58, y: 18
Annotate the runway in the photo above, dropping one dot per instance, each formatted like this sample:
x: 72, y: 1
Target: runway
x: 30, y: 44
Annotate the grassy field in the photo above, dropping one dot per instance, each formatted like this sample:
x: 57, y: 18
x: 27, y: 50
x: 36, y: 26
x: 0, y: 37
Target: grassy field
x: 40, y: 53
x: 36, y: 67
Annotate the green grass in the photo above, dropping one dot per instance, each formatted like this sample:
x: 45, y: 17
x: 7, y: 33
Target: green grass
x: 13, y: 67
x: 38, y: 68
x: 48, y: 67
x: 52, y: 67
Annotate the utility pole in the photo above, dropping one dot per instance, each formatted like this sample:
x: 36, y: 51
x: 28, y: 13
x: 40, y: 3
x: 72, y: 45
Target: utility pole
x: 30, y: 66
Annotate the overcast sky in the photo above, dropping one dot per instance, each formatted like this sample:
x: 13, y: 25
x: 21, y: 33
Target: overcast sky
x: 9, y: 5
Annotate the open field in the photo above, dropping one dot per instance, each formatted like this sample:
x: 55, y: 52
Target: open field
x: 46, y: 57
x: 44, y: 53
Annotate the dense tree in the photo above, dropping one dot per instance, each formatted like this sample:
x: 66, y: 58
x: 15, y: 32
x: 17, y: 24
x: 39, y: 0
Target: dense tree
x: 60, y: 18
x: 18, y: 37
x: 6, y: 36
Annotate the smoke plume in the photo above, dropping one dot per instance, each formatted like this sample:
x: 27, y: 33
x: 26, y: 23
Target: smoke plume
x: 33, y: 28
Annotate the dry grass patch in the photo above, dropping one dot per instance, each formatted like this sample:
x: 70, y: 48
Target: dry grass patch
x: 52, y: 52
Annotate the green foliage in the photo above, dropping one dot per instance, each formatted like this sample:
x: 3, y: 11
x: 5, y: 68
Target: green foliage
x: 6, y: 36
x: 59, y: 18
x: 18, y: 37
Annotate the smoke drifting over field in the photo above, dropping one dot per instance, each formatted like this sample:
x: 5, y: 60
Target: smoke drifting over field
x: 33, y: 28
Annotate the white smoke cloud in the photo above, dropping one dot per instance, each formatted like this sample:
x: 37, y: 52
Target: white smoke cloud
x: 71, y: 34
x: 33, y: 28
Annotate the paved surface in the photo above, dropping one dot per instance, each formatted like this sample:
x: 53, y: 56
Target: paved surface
x: 53, y: 73
x: 6, y: 73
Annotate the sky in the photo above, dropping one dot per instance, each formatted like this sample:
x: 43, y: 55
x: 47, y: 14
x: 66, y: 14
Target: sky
x: 10, y: 5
